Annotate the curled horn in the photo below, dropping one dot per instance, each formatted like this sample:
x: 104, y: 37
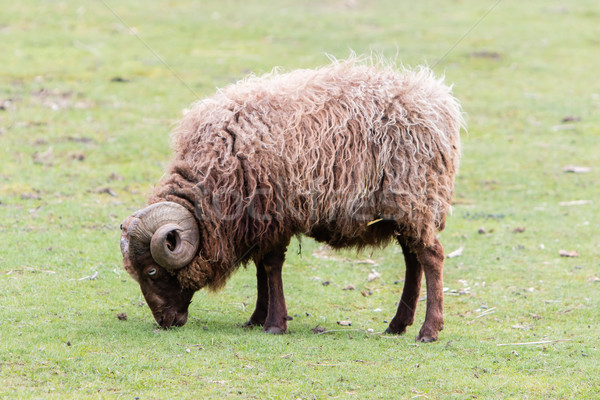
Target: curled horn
x: 169, y: 230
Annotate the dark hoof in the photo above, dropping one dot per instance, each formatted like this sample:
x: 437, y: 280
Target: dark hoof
x: 274, y: 330
x: 428, y: 334
x: 426, y: 339
x: 391, y: 331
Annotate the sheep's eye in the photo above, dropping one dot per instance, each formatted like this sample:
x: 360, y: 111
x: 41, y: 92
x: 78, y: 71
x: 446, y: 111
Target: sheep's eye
x: 151, y: 272
x: 121, y: 227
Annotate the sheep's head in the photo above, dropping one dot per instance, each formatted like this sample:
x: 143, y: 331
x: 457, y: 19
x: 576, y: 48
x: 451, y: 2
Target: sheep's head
x: 156, y: 242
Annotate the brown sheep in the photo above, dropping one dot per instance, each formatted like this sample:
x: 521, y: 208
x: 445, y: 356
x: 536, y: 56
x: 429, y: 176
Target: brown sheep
x: 352, y: 154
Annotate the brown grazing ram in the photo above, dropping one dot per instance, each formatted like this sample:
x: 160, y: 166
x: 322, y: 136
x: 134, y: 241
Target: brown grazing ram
x: 352, y: 154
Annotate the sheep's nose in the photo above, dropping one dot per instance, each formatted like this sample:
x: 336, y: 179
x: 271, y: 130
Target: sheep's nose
x: 180, y: 319
x: 172, y: 318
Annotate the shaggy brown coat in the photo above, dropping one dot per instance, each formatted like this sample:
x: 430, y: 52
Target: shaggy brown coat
x: 350, y: 154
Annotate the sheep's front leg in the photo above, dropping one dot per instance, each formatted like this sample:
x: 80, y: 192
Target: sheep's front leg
x: 276, y: 321
x: 405, y: 315
x: 259, y: 315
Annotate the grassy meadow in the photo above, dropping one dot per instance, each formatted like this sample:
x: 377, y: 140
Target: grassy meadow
x: 89, y: 92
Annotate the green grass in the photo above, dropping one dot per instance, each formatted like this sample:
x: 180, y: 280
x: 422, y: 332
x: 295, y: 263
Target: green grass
x: 80, y: 150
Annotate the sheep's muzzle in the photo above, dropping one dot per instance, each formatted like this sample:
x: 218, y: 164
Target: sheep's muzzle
x: 170, y: 318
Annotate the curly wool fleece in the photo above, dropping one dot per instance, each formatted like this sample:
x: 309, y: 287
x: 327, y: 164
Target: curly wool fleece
x: 351, y: 154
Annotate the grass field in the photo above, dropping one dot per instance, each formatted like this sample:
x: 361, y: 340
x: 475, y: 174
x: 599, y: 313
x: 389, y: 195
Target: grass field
x: 89, y: 92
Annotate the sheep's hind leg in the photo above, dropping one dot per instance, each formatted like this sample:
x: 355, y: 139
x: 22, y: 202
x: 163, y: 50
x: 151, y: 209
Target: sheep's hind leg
x: 259, y: 315
x: 405, y: 315
x: 432, y: 259
x: 429, y: 259
x: 276, y: 321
